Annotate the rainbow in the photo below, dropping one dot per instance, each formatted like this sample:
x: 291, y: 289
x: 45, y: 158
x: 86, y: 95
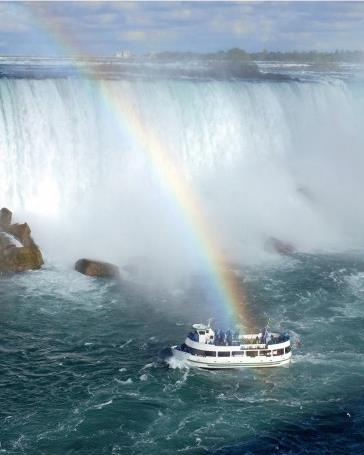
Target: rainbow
x: 227, y: 284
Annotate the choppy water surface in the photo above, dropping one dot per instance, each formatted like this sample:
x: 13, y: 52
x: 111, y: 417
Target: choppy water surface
x: 81, y: 368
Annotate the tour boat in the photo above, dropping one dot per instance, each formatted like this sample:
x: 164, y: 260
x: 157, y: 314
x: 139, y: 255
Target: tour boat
x: 205, y: 348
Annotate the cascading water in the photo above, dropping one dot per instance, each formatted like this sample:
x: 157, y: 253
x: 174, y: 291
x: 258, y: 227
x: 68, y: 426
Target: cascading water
x: 265, y: 158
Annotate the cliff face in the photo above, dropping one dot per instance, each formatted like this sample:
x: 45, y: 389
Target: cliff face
x: 18, y: 251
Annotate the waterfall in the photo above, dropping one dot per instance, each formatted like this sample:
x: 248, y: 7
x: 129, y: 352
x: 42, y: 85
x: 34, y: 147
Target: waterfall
x: 265, y: 158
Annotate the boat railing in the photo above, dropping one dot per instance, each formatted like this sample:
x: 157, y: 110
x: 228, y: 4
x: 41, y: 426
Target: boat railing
x: 249, y: 341
x: 278, y: 339
x: 257, y: 342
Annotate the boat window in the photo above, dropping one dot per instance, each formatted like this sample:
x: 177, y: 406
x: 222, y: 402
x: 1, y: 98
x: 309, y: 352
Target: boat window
x: 201, y: 332
x: 288, y: 349
x: 251, y: 353
x: 223, y: 354
x: 278, y: 352
x: 210, y: 353
x: 265, y: 353
x: 197, y: 352
x: 193, y: 336
x: 238, y: 353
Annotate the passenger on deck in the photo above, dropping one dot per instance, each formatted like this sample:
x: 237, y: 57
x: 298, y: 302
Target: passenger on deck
x: 229, y: 338
x: 271, y: 341
x: 223, y: 338
x: 265, y: 335
x: 218, y: 337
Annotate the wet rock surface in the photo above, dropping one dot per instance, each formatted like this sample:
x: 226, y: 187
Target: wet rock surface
x: 95, y: 268
x: 5, y: 217
x: 18, y: 251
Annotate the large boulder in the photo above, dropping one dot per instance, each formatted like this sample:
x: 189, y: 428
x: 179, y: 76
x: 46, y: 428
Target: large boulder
x: 18, y: 252
x: 5, y: 218
x: 97, y: 268
x: 20, y: 259
x: 278, y: 246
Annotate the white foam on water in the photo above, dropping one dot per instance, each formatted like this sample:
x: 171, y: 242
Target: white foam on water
x: 126, y: 343
x: 126, y: 382
x: 148, y: 365
x: 176, y: 363
x: 102, y: 405
x: 356, y: 283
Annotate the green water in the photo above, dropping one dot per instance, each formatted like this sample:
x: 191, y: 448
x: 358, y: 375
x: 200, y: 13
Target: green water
x: 83, y: 369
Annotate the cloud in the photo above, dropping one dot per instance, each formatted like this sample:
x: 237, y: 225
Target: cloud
x: 199, y: 26
x: 14, y: 19
x: 134, y: 35
x: 126, y: 6
x: 241, y: 28
x: 146, y: 37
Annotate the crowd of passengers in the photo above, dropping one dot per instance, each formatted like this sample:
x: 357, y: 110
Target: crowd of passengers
x: 230, y: 338
x: 227, y: 338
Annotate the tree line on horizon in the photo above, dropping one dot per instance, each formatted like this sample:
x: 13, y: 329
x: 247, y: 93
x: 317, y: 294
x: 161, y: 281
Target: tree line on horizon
x: 237, y: 54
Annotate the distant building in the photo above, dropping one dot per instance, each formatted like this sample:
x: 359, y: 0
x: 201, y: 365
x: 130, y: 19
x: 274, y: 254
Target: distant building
x: 125, y: 53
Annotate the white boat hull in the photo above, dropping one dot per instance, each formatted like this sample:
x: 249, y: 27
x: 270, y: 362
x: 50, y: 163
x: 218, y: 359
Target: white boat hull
x: 216, y: 363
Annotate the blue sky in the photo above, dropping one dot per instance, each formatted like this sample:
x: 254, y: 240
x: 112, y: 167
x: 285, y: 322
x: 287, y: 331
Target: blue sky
x: 103, y: 28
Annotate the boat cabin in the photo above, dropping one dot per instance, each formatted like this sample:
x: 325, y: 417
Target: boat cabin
x: 202, y: 334
x: 216, y: 348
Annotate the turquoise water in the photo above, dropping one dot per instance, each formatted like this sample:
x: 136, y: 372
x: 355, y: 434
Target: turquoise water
x: 83, y: 369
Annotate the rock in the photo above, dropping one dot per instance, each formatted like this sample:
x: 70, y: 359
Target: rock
x: 97, y: 268
x: 5, y: 242
x: 22, y: 233
x: 278, y: 246
x: 20, y: 259
x: 18, y: 252
x: 8, y: 241
x: 5, y: 217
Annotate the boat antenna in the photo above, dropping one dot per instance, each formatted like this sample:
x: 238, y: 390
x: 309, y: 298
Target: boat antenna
x: 209, y: 322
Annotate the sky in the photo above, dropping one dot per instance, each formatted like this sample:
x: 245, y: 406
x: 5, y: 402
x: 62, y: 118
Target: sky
x: 104, y: 28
